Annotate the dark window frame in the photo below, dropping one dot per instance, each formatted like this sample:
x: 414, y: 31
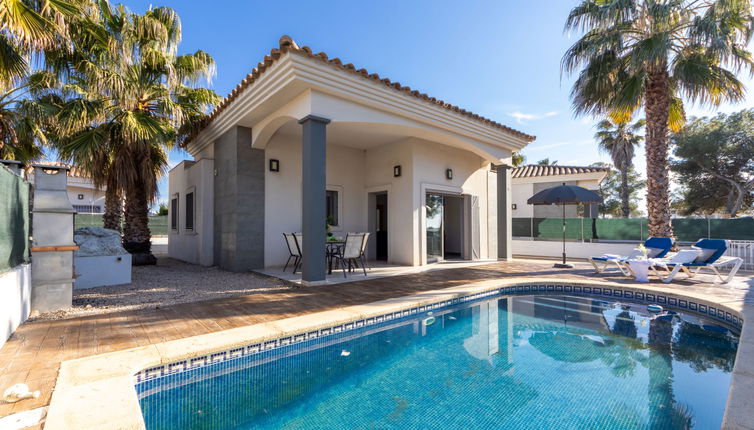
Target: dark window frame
x: 332, y: 205
x: 189, y: 217
x: 174, y: 213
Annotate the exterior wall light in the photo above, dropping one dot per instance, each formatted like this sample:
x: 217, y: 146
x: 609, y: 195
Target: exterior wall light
x: 81, y: 197
x: 397, y: 171
x: 513, y: 206
x: 449, y: 174
x: 274, y: 165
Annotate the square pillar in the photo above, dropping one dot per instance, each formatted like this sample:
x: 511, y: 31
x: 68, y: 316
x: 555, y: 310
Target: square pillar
x: 314, y: 214
x: 504, y: 213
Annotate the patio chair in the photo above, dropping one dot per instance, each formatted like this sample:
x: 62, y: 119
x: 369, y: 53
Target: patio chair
x: 710, y: 257
x: 299, y: 239
x: 364, y: 250
x: 658, y: 248
x: 351, y: 253
x: 294, y: 251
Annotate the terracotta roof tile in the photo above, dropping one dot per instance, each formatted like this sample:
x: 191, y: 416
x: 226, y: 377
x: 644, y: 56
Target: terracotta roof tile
x: 534, y: 170
x: 288, y: 45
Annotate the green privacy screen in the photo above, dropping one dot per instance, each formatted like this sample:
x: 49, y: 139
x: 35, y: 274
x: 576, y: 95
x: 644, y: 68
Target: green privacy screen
x: 158, y: 225
x: 14, y: 220
x: 686, y: 229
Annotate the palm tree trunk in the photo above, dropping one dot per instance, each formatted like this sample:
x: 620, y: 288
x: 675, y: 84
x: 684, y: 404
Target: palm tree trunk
x: 113, y: 207
x: 661, y: 397
x: 136, y: 234
x: 624, y: 194
x: 657, y: 106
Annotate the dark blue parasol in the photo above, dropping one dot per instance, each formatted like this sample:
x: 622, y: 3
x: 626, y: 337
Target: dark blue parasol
x: 564, y: 195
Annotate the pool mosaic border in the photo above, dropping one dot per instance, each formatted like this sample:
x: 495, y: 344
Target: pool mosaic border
x: 731, y: 319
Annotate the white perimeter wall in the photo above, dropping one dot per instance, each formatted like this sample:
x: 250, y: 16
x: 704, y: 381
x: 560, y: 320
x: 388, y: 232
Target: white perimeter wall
x: 542, y: 248
x: 197, y: 245
x: 15, y: 299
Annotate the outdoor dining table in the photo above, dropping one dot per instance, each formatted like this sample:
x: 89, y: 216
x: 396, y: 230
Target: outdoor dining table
x: 332, y: 248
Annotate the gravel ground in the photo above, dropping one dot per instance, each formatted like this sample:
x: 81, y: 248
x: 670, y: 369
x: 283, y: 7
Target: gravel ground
x: 168, y: 283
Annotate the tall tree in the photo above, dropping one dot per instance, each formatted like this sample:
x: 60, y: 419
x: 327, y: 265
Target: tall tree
x: 649, y: 54
x: 611, y: 191
x: 29, y: 29
x: 619, y: 140
x: 714, y: 161
x: 129, y: 99
x: 518, y: 159
x: 547, y: 162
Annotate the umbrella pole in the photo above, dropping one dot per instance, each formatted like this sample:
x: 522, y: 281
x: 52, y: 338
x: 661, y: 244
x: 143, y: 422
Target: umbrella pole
x: 564, y: 265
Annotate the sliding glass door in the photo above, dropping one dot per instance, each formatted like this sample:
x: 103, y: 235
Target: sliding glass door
x: 435, y: 227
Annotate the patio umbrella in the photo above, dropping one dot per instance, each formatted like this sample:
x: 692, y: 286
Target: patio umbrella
x: 564, y: 195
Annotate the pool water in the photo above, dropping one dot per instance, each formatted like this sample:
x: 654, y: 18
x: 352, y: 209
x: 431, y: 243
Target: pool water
x: 526, y: 362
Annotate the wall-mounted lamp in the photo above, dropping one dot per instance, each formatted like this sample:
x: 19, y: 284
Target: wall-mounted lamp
x: 274, y: 165
x: 397, y: 171
x: 449, y: 174
x: 513, y: 206
x: 81, y: 197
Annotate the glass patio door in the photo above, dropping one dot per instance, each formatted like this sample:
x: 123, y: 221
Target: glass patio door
x: 435, y: 227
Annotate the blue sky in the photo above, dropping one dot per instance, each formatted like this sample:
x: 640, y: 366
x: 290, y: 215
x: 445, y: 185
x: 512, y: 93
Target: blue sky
x: 500, y: 59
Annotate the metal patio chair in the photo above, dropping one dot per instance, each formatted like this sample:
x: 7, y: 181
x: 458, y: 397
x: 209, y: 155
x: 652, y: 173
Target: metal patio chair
x: 294, y: 249
x: 363, y: 256
x: 351, y: 253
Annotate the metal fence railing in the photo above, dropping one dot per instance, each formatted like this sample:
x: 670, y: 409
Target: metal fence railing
x: 743, y: 249
x: 631, y: 229
x: 158, y: 224
x: 15, y: 221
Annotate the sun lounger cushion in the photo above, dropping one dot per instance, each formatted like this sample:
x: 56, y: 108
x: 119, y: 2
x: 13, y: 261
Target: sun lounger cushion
x: 704, y: 254
x: 662, y: 243
x: 654, y: 252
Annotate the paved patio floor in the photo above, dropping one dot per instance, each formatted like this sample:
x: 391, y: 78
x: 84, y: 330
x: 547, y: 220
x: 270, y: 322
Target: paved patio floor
x: 34, y: 353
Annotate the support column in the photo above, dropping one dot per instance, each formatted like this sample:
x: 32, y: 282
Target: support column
x: 504, y: 213
x: 314, y: 213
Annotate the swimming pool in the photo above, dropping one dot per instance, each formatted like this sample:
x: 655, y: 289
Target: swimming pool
x: 553, y: 361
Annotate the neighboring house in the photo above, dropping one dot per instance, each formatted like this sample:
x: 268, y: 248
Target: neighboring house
x: 531, y: 179
x: 303, y: 138
x: 84, y: 196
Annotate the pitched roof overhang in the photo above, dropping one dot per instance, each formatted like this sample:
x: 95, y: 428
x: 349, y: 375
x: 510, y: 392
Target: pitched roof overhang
x: 537, y: 173
x: 290, y: 71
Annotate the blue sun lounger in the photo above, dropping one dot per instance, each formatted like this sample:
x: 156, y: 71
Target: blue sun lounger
x: 658, y: 248
x: 710, y: 258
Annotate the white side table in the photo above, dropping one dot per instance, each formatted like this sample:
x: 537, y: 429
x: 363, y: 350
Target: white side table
x: 640, y: 269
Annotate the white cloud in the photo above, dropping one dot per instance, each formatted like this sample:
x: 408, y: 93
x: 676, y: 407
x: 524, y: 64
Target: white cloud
x: 521, y: 117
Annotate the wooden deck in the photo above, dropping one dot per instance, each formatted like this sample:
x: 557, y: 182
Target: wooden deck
x: 34, y: 353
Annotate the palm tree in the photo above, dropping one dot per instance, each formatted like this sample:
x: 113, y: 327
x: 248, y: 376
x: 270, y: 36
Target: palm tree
x: 133, y: 99
x: 29, y: 28
x: 518, y: 159
x: 619, y: 139
x: 648, y: 54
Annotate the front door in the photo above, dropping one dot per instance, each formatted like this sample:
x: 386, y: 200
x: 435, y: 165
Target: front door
x: 435, y: 227
x: 381, y: 226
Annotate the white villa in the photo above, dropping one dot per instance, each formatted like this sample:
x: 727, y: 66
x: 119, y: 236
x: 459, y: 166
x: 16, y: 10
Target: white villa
x: 531, y: 179
x: 304, y: 137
